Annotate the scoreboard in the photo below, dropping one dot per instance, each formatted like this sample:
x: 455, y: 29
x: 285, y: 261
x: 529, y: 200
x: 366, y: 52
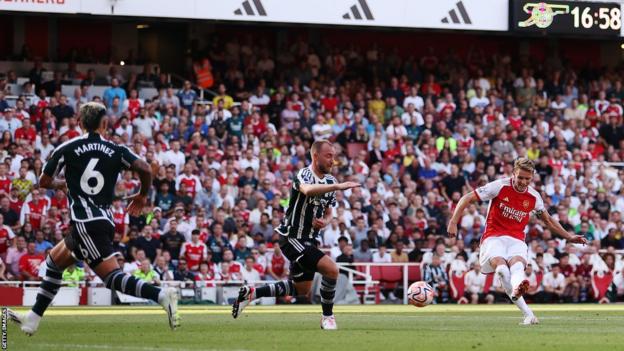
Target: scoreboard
x: 566, y: 17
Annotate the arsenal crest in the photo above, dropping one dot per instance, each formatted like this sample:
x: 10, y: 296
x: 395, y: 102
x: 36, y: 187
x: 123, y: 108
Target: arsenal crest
x: 525, y: 203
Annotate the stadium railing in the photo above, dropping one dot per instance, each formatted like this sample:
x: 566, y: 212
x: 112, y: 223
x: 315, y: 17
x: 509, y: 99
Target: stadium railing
x: 389, y: 275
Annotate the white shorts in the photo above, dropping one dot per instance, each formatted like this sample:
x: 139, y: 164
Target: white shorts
x: 500, y: 246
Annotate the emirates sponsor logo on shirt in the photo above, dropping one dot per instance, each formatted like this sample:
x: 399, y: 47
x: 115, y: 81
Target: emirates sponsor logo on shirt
x: 511, y: 213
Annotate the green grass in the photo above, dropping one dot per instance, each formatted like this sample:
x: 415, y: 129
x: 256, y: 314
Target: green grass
x: 450, y: 327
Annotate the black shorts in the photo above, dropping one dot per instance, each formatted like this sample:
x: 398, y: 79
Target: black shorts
x: 303, y: 256
x: 91, y: 242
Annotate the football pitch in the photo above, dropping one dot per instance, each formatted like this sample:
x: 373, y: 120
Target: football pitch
x: 380, y: 327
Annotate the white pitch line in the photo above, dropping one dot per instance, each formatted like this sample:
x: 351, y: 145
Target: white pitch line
x: 49, y: 346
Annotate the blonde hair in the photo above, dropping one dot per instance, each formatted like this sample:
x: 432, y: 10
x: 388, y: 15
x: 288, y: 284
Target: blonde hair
x: 316, y: 146
x: 524, y: 164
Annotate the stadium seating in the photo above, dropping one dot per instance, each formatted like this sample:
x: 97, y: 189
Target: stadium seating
x: 489, y: 279
x: 458, y: 286
x: 601, y: 281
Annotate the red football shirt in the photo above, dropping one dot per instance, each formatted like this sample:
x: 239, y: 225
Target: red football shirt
x: 30, y: 263
x: 6, y: 235
x: 194, y: 254
x: 509, y: 210
x: 35, y: 211
x: 29, y: 134
x: 121, y: 219
x: 278, y: 265
x: 5, y: 184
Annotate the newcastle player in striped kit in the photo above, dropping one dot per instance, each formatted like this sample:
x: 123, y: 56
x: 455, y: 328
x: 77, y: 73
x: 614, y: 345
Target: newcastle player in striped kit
x: 312, y: 194
x: 92, y: 166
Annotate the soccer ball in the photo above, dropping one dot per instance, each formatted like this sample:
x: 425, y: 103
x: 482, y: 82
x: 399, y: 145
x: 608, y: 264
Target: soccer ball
x: 420, y: 294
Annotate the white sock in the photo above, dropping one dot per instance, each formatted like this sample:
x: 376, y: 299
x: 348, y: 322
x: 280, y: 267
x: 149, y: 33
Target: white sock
x: 161, y: 295
x: 504, y: 275
x: 522, y: 305
x: 32, y: 316
x: 517, y: 274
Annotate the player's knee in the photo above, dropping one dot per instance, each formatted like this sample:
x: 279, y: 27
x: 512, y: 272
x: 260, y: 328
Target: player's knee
x: 332, y: 272
x: 497, y: 261
x: 302, y: 289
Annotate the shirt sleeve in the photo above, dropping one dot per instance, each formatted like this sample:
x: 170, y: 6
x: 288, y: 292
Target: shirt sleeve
x: 489, y: 190
x: 539, y: 204
x: 55, y: 164
x: 127, y: 157
x: 10, y: 231
x: 333, y: 201
x: 304, y: 176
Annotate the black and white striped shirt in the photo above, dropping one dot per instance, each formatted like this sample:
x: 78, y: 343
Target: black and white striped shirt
x: 303, y: 209
x: 92, y: 166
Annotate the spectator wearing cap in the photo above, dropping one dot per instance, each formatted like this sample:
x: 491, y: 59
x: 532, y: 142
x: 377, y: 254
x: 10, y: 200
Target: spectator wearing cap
x: 9, y: 122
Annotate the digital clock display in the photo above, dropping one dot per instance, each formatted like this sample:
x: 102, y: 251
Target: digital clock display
x: 566, y: 17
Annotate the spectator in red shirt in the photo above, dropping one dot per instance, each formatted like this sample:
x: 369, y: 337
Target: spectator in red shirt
x: 26, y: 133
x: 35, y: 210
x: 571, y: 292
x: 59, y: 200
x: 276, y: 269
x: 5, y: 181
x: 330, y: 101
x: 29, y: 263
x: 7, y: 238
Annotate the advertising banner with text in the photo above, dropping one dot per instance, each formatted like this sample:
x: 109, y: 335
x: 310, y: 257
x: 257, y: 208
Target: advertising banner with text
x: 488, y: 15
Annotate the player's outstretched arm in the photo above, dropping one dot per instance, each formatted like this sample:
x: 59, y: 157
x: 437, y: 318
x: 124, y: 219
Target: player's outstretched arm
x: 49, y: 177
x: 556, y: 228
x: 320, y: 189
x: 139, y: 200
x: 459, y: 210
x: 47, y: 182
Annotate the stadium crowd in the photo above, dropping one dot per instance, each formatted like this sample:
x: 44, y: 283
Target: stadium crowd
x: 416, y: 132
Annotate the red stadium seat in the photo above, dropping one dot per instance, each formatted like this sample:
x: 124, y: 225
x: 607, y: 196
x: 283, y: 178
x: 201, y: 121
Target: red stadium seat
x: 539, y: 276
x: 489, y: 279
x: 600, y: 284
x: 414, y: 273
x: 391, y: 276
x: 458, y: 285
